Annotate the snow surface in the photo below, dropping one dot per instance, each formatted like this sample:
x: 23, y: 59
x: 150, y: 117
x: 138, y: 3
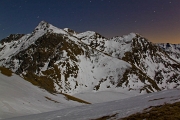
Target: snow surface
x: 105, y: 96
x: 19, y: 97
x: 123, y: 107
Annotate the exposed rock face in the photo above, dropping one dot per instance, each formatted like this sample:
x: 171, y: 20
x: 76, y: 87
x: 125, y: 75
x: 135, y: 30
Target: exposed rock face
x: 12, y: 37
x: 173, y: 50
x: 65, y: 61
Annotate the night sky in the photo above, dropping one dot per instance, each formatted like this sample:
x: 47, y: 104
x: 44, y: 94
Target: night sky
x: 157, y: 20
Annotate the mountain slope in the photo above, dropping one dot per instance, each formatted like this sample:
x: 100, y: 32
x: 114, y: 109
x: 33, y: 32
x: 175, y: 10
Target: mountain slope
x: 63, y: 61
x: 154, y: 62
x: 19, y: 97
x: 118, y: 108
x: 173, y: 50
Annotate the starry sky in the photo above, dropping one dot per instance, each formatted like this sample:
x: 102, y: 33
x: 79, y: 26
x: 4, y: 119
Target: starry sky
x: 157, y: 20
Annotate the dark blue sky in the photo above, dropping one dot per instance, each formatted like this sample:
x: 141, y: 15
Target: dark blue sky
x: 157, y: 20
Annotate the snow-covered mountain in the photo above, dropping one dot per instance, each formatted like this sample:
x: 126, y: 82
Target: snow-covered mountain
x: 64, y: 61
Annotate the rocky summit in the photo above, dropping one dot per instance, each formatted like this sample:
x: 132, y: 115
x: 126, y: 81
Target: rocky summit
x: 64, y: 61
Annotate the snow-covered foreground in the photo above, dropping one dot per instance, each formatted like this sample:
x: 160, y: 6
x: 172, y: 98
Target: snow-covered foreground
x: 105, y: 96
x: 19, y: 97
x: 123, y: 107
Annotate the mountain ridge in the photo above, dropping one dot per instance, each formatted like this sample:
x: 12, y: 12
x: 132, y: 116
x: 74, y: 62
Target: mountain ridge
x: 61, y: 60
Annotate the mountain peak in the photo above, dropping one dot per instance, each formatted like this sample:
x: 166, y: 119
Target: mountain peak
x: 42, y: 25
x: 129, y: 37
x: 43, y: 21
x: 69, y: 31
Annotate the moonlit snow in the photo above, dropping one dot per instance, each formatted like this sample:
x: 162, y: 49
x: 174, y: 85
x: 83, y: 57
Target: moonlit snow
x: 122, y: 107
